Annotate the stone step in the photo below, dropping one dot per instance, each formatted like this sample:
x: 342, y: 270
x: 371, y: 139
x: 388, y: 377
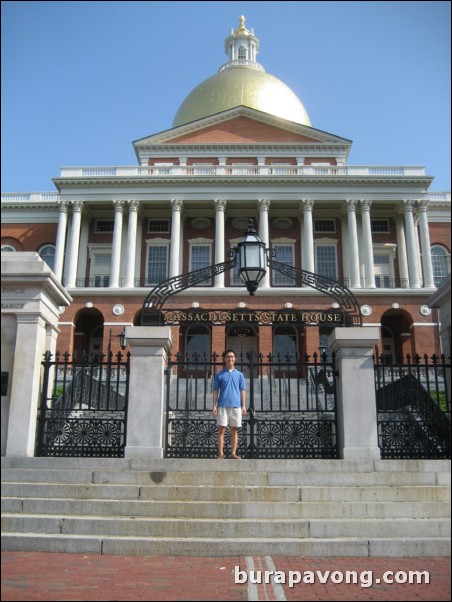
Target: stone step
x: 234, y: 493
x: 200, y: 465
x: 360, y: 547
x: 225, y: 510
x: 220, y: 478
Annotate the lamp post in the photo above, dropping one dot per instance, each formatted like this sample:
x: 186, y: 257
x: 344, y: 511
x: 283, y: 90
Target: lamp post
x: 252, y: 259
x: 122, y: 340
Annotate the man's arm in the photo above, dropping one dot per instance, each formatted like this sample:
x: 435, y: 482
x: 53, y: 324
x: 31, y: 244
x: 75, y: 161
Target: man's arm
x: 243, y: 398
x: 215, y: 399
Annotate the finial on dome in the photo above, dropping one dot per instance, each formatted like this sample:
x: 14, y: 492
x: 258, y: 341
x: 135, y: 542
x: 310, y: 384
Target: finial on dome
x: 241, y: 29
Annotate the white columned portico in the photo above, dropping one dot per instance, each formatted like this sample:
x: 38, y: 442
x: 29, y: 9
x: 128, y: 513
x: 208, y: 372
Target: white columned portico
x: 116, y: 246
x: 131, y: 243
x: 427, y: 266
x: 308, y: 235
x: 220, y: 208
x: 77, y: 207
x: 264, y: 206
x: 369, y: 269
x: 61, y: 240
x: 176, y: 209
x: 401, y: 253
x: 353, y: 244
x: 412, y: 254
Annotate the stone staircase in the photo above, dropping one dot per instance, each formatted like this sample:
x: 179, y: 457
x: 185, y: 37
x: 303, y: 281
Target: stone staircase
x: 226, y: 507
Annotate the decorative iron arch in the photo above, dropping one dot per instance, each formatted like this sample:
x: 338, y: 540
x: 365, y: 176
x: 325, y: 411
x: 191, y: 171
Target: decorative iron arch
x: 153, y: 304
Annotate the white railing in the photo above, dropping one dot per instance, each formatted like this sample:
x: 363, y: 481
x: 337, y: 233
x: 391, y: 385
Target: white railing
x: 25, y: 197
x: 239, y: 170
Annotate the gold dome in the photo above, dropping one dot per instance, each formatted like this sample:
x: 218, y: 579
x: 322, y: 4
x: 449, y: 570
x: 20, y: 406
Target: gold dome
x: 242, y: 85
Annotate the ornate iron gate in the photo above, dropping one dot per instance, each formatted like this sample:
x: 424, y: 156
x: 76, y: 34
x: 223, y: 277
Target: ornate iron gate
x: 413, y: 407
x: 291, y: 413
x: 83, y: 409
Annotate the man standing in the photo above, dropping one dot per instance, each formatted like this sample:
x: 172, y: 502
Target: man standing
x: 230, y: 405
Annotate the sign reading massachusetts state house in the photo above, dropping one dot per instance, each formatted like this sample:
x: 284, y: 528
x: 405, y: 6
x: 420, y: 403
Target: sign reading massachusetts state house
x: 267, y: 317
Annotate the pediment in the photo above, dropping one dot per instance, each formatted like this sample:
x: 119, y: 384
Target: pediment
x: 241, y: 125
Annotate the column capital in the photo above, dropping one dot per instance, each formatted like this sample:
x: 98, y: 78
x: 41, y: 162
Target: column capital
x: 408, y: 205
x: 63, y: 206
x: 307, y: 204
x: 263, y: 204
x: 133, y: 206
x: 176, y: 204
x: 118, y: 204
x: 422, y: 204
x: 77, y: 206
x: 366, y: 204
x: 351, y: 204
x: 220, y: 204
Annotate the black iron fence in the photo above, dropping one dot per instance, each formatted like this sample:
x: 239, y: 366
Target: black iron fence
x: 83, y: 407
x: 291, y: 406
x: 413, y: 406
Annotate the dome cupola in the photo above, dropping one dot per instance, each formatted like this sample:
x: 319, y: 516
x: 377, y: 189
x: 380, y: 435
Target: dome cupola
x: 242, y: 82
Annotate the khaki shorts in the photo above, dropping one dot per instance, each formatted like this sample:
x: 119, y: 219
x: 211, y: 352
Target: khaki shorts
x: 233, y: 416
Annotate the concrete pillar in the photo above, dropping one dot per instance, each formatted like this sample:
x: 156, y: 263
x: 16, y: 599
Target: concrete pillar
x: 356, y: 405
x: 369, y: 270
x: 308, y: 235
x: 31, y: 298
x: 412, y: 248
x: 146, y: 411
x: 401, y: 253
x: 77, y: 207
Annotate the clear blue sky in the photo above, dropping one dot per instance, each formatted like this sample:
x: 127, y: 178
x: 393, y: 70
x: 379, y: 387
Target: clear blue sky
x: 82, y: 80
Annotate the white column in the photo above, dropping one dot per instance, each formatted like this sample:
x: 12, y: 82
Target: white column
x: 369, y: 269
x: 345, y: 252
x: 401, y: 253
x: 308, y: 235
x: 176, y: 208
x: 83, y: 250
x: 220, y: 207
x: 413, y: 265
x: 131, y: 243
x: 425, y: 245
x: 353, y: 244
x: 77, y: 207
x: 116, y: 246
x: 61, y: 240
x: 264, y: 206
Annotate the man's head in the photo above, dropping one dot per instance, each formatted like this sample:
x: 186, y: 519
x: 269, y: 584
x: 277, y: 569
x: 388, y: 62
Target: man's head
x: 229, y: 359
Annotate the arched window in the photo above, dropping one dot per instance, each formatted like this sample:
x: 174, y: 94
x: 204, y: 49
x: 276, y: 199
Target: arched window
x: 242, y: 53
x: 284, y: 341
x: 440, y: 263
x: 47, y: 253
x: 8, y: 249
x: 198, y: 342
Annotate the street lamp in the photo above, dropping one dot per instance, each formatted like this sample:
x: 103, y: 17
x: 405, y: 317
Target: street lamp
x: 122, y: 340
x: 251, y: 254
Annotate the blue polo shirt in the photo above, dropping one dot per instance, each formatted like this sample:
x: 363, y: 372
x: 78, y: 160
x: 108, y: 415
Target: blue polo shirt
x: 229, y: 383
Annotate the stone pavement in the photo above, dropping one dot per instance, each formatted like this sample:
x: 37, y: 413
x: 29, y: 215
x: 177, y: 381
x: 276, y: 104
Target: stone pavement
x: 54, y: 576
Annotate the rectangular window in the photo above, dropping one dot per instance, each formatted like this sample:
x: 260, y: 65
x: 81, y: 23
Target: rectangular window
x: 100, y: 272
x: 102, y: 226
x: 284, y: 254
x: 326, y: 261
x: 158, y: 225
x: 325, y: 225
x: 200, y: 258
x: 379, y: 225
x: 382, y: 271
x: 157, y: 264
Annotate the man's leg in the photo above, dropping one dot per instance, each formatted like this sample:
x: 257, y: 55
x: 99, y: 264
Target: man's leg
x: 234, y: 440
x: 221, y: 430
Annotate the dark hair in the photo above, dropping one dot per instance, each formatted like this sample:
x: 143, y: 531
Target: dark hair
x: 229, y: 351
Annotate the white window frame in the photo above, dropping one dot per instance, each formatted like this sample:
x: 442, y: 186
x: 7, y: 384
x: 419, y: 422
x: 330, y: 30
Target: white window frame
x: 326, y: 242
x: 390, y: 252
x: 99, y: 249
x: 157, y: 242
x: 199, y: 242
x: 283, y: 242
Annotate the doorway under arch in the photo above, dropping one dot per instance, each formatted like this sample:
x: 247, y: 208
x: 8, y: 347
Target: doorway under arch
x: 396, y: 333
x: 89, y: 333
